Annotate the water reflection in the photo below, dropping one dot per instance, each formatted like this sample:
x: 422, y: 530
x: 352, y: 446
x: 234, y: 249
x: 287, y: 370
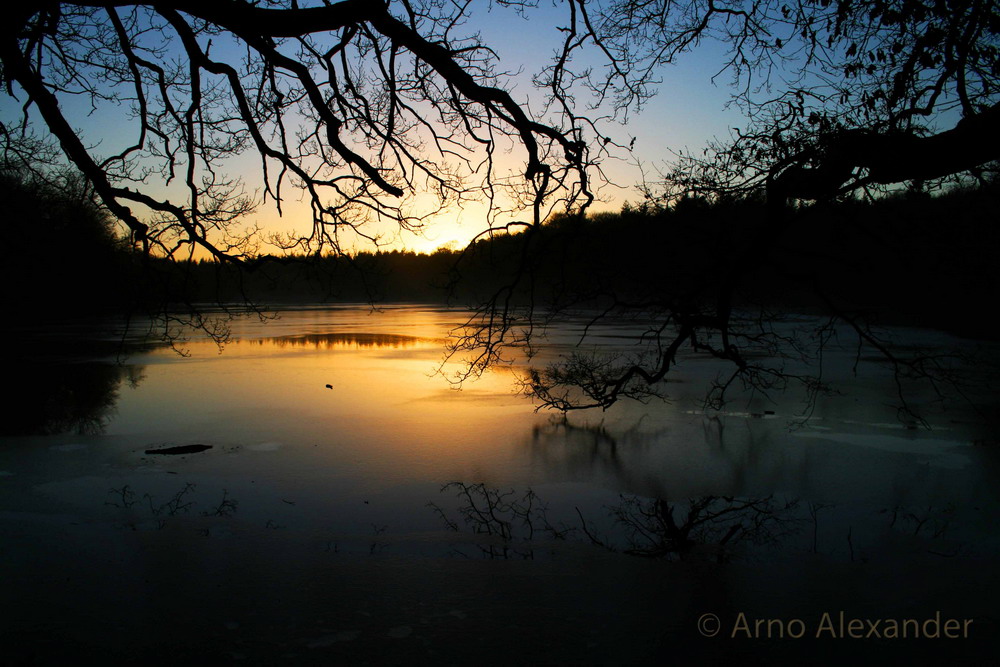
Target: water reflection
x: 507, y: 524
x: 330, y: 429
x: 349, y: 395
x: 334, y: 341
x: 56, y: 397
x: 140, y: 512
x: 709, y: 527
x: 581, y: 448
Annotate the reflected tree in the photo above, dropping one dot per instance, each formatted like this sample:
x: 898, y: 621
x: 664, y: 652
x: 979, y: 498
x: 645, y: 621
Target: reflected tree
x: 712, y: 527
x: 181, y: 502
x: 509, y: 526
x: 65, y: 397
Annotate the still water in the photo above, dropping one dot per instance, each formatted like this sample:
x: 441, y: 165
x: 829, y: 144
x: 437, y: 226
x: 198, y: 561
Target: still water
x: 328, y: 433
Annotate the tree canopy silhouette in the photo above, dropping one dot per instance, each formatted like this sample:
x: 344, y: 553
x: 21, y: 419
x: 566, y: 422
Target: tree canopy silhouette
x: 841, y: 95
x: 359, y: 103
x: 356, y: 103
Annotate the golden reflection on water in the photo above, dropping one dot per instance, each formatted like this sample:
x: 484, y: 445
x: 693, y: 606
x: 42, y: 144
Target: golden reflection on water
x: 365, y: 403
x: 363, y: 400
x: 326, y: 408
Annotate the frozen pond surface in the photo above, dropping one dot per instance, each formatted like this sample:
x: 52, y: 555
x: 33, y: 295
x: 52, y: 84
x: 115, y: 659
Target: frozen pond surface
x: 302, y: 529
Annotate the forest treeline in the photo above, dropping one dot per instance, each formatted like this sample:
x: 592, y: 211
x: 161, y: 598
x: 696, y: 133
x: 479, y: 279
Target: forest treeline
x: 911, y: 257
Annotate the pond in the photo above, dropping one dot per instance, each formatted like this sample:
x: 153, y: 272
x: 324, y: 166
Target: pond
x: 318, y: 491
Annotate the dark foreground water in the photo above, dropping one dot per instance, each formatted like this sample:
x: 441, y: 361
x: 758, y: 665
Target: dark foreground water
x: 283, y: 501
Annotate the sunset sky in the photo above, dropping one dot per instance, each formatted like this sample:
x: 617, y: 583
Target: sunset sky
x: 687, y: 112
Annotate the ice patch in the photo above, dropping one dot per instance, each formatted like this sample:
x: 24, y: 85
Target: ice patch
x: 266, y: 447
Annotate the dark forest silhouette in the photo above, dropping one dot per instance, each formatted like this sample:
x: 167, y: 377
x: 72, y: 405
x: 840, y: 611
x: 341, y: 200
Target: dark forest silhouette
x: 910, y: 258
x: 68, y: 257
